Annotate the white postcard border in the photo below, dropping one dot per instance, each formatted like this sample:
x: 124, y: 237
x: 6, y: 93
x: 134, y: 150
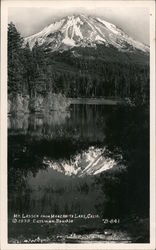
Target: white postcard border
x: 3, y: 125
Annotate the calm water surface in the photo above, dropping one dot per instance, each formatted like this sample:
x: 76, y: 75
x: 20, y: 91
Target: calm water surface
x: 36, y: 188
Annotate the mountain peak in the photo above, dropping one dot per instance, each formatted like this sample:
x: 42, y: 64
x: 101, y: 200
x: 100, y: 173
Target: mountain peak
x: 79, y: 30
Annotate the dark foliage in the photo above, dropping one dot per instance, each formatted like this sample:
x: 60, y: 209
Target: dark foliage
x: 127, y: 193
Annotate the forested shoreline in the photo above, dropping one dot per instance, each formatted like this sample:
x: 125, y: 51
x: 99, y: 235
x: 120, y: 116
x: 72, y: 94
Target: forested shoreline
x: 37, y: 74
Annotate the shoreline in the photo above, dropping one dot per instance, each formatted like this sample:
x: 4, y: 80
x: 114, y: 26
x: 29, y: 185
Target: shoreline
x: 97, y: 101
x: 64, y: 105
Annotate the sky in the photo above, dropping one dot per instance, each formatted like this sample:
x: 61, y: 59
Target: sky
x: 132, y: 20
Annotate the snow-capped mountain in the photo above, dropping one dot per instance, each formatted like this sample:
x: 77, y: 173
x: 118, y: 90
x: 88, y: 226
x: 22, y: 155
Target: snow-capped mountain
x: 81, y: 31
x: 90, y: 162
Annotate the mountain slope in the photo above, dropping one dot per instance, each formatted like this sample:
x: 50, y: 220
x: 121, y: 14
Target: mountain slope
x: 84, y: 31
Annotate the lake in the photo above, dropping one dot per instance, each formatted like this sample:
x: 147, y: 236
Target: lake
x: 79, y: 174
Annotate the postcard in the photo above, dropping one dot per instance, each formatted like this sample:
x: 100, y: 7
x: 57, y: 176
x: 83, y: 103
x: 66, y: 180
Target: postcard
x: 78, y: 125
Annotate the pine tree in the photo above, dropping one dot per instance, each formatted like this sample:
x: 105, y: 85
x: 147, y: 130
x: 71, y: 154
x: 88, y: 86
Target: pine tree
x: 15, y: 66
x: 39, y: 69
x: 28, y: 69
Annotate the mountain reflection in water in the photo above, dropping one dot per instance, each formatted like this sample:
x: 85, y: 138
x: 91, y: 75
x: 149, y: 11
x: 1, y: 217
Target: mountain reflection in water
x: 89, y: 162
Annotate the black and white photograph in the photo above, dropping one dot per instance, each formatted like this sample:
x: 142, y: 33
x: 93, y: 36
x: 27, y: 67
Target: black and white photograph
x: 78, y: 124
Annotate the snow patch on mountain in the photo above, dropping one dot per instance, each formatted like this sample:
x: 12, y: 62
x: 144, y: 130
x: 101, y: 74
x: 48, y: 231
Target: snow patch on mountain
x: 90, y: 162
x: 68, y: 41
x: 41, y: 36
x: 110, y: 26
